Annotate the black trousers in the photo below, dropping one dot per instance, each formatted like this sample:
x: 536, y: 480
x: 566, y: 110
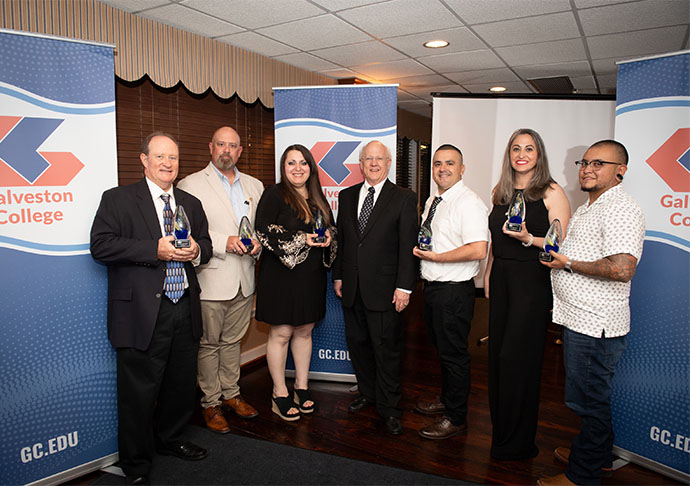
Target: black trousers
x: 156, y: 388
x: 375, y: 342
x: 448, y: 311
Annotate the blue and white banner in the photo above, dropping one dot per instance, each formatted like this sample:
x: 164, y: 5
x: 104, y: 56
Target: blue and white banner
x: 57, y: 155
x: 651, y: 389
x: 335, y: 122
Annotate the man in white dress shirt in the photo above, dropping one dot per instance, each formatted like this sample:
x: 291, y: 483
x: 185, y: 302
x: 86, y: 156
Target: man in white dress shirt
x: 459, y: 224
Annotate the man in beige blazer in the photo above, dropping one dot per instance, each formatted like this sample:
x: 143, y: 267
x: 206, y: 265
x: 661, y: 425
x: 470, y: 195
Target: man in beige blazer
x: 227, y: 281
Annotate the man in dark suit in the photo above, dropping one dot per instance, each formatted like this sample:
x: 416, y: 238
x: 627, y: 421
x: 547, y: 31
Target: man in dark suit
x: 154, y: 312
x: 374, y: 274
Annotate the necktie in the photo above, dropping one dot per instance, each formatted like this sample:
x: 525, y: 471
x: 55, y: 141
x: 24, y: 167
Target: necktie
x: 432, y: 211
x: 174, y: 271
x: 365, y: 212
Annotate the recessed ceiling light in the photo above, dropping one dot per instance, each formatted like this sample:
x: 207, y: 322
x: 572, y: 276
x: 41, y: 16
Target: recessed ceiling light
x: 436, y: 44
x: 497, y: 89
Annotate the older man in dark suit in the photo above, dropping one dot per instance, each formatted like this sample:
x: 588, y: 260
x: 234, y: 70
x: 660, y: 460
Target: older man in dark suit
x: 374, y: 274
x: 154, y: 312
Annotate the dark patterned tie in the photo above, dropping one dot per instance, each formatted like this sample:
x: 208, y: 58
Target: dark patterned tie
x: 432, y: 211
x: 174, y: 271
x: 365, y: 212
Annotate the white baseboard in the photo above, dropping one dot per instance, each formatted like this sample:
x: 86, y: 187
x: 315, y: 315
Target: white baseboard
x: 252, y: 354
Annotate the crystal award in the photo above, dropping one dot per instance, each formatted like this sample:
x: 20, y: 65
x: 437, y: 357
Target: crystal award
x: 246, y: 233
x: 181, y: 228
x: 517, y: 210
x: 424, y: 238
x: 319, y: 227
x: 552, y: 241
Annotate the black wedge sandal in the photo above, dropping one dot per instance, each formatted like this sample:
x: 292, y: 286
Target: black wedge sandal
x: 281, y: 406
x: 302, y: 396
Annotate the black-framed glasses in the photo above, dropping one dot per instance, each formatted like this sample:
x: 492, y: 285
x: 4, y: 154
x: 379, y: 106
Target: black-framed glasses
x: 596, y: 164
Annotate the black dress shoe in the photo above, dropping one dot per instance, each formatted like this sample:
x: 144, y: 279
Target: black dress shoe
x: 138, y: 480
x: 360, y: 403
x: 184, y: 450
x: 393, y: 425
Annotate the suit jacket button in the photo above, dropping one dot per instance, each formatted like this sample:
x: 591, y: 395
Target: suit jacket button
x: 158, y: 295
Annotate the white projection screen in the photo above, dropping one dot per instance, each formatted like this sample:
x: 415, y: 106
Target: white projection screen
x: 481, y: 126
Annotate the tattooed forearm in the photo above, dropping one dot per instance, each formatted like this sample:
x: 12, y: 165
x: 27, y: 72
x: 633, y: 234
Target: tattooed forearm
x: 619, y: 267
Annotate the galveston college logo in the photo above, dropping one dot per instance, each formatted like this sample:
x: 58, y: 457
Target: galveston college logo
x: 331, y: 157
x: 22, y: 165
x: 671, y: 162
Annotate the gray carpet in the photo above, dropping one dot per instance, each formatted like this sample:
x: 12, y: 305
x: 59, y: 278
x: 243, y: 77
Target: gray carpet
x: 234, y: 459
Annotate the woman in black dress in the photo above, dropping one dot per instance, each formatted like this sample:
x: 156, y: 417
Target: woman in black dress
x: 519, y: 288
x: 291, y: 288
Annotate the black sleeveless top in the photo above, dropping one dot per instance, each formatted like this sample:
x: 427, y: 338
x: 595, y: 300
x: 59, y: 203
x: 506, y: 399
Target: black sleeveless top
x: 503, y: 246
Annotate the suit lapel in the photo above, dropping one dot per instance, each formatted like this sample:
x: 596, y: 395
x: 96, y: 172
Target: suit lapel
x: 148, y: 209
x: 219, y: 191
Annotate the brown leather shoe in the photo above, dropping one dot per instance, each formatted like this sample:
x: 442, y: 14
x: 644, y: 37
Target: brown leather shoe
x: 562, y: 454
x: 239, y: 406
x: 215, y: 421
x: 443, y: 428
x: 433, y: 407
x: 558, y: 480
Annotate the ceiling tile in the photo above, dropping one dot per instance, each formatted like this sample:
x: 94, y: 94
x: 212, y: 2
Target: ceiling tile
x: 529, y: 30
x: 543, y: 53
x: 134, y: 5
x: 391, y: 71
x: 418, y: 107
x: 607, y: 81
x: 572, y: 69
x: 634, y: 16
x: 307, y: 33
x: 460, y: 39
x: 257, y: 43
x: 511, y: 88
x: 245, y: 13
x: 190, y: 20
x: 357, y: 54
x: 340, y: 73
x: 639, y: 43
x: 424, y: 81
x: 500, y: 75
x: 400, y: 17
x: 463, y: 61
x: 477, y: 12
x: 596, y: 3
x: 337, y: 5
x: 305, y: 61
x: 606, y: 66
x: 425, y: 92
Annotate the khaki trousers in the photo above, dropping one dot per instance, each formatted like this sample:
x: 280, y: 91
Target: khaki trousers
x: 225, y: 323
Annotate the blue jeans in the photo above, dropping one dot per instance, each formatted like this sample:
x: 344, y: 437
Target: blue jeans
x: 589, y: 367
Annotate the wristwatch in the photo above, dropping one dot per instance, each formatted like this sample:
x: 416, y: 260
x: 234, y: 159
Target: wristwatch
x: 567, y: 267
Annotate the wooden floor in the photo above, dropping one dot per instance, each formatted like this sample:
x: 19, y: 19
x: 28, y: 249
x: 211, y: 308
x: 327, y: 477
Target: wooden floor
x: 362, y: 436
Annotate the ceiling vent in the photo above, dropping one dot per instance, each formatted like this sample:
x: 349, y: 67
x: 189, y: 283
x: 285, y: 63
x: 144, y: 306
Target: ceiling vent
x: 554, y: 85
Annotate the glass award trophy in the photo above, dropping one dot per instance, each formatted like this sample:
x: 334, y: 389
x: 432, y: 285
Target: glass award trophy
x: 181, y: 228
x: 517, y: 210
x: 246, y: 233
x: 552, y: 241
x: 424, y: 238
x: 320, y: 227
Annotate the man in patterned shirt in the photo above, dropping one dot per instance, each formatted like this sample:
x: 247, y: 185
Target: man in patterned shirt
x: 591, y: 288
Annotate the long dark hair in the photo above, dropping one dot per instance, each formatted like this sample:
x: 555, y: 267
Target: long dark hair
x: 541, y: 178
x: 294, y: 199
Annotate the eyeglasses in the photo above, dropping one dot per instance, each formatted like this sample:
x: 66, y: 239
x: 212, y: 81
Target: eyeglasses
x: 595, y: 164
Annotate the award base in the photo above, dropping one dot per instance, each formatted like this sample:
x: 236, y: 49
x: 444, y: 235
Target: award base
x: 545, y: 257
x: 319, y: 239
x: 514, y: 227
x: 185, y: 243
x: 424, y: 246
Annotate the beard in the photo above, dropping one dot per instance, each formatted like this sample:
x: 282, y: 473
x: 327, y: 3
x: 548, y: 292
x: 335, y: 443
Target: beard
x: 225, y: 162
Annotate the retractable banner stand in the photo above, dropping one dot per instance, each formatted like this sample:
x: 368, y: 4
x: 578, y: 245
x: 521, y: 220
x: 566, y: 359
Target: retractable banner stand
x: 58, y: 414
x: 334, y: 122
x: 651, y: 388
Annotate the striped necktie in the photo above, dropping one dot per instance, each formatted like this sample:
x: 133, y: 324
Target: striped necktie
x: 365, y: 212
x: 432, y: 211
x: 174, y: 271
